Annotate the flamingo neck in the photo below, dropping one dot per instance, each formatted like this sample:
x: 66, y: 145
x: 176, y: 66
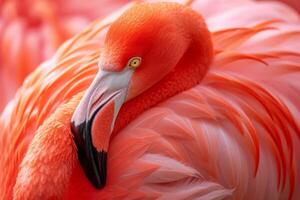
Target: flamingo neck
x: 187, y: 73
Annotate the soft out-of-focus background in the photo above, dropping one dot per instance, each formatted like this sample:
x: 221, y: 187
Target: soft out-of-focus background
x: 31, y: 31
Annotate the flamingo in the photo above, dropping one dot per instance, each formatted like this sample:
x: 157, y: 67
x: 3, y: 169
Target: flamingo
x: 175, y: 108
x: 31, y: 31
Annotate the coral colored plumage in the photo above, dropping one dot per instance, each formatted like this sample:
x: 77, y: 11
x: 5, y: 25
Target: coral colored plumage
x: 31, y: 31
x: 233, y: 136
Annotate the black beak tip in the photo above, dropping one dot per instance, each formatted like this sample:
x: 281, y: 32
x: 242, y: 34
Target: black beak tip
x: 93, y: 162
x: 95, y: 170
x: 101, y: 164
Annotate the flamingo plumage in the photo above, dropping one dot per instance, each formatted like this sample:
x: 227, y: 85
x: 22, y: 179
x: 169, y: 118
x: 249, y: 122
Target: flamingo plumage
x: 235, y: 135
x: 31, y: 31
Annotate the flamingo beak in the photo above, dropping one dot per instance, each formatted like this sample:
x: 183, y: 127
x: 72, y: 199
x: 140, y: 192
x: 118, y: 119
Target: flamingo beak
x: 93, y: 121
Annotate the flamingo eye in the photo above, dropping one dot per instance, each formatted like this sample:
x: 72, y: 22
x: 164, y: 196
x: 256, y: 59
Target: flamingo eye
x: 135, y: 62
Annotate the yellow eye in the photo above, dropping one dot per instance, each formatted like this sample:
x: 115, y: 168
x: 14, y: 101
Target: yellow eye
x: 135, y: 62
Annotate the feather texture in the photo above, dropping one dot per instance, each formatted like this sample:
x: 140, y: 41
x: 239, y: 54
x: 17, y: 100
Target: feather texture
x: 234, y: 136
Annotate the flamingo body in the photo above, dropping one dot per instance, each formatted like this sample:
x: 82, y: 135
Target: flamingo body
x: 235, y: 135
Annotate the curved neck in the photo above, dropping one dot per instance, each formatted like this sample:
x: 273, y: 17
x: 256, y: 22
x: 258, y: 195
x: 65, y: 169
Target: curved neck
x: 188, y: 72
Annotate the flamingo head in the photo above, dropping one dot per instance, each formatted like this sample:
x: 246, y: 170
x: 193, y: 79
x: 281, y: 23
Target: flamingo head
x: 142, y: 48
